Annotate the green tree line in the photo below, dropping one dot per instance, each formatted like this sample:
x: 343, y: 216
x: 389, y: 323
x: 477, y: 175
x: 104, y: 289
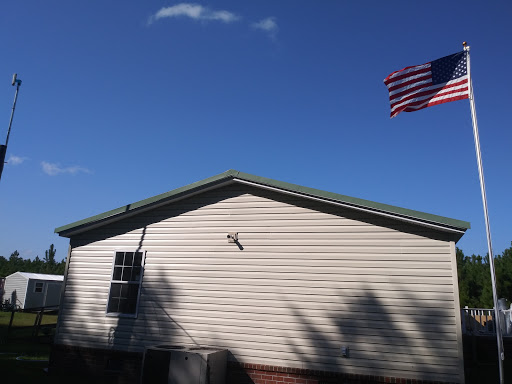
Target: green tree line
x: 474, y: 274
x: 15, y: 263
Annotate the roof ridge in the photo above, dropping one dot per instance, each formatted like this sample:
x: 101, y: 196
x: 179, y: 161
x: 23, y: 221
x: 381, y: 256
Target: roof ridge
x: 232, y: 174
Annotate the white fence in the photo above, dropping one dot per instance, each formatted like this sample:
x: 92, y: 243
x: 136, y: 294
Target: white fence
x: 480, y: 321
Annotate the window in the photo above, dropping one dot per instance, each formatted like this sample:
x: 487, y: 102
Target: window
x: 125, y: 284
x: 38, y: 288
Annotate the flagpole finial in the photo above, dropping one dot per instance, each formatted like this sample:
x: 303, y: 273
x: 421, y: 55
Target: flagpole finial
x: 465, y: 45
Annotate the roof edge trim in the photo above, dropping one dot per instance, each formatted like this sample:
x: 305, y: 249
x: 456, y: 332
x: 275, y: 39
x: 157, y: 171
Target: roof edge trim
x: 149, y: 203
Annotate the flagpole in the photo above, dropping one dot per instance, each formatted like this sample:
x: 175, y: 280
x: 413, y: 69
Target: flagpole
x: 501, y: 355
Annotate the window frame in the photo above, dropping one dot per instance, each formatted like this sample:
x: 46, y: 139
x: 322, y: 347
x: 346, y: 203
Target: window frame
x: 35, y: 286
x: 111, y: 281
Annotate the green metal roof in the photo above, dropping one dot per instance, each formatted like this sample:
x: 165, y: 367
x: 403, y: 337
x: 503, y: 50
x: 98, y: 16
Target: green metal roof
x: 262, y: 181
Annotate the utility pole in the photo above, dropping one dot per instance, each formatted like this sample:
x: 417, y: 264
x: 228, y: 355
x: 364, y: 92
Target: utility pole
x: 3, y: 148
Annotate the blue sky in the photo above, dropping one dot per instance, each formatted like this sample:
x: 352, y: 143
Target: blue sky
x: 121, y: 101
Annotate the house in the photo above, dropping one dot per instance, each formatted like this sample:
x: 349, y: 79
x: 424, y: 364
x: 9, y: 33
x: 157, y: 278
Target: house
x: 295, y: 282
x: 28, y: 290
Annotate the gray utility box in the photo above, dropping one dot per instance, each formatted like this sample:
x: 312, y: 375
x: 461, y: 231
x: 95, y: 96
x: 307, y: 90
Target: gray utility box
x: 179, y: 364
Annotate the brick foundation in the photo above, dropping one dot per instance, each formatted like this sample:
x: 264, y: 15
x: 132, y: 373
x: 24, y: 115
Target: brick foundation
x: 242, y: 373
x: 126, y: 366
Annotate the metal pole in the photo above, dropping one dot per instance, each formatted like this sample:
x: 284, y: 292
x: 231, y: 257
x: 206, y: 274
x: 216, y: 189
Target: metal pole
x: 501, y: 354
x: 3, y: 148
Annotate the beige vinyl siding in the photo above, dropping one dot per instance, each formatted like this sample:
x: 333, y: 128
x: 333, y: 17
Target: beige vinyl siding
x: 16, y: 288
x: 310, y: 278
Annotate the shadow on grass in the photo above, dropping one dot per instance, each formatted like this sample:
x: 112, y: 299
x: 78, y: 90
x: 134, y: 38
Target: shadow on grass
x: 14, y: 371
x: 480, y: 360
x: 31, y: 371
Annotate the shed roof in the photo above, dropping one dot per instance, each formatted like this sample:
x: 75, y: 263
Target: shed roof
x: 40, y: 276
x: 233, y: 176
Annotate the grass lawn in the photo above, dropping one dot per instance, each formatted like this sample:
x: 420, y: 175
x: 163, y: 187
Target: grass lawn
x: 22, y: 325
x: 22, y: 319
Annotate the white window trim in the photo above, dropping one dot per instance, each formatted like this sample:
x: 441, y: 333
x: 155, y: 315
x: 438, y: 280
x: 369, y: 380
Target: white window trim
x: 119, y: 314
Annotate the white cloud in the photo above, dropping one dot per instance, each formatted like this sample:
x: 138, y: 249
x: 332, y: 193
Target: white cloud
x: 194, y: 11
x: 53, y: 169
x: 16, y: 160
x: 267, y: 25
x: 27, y: 253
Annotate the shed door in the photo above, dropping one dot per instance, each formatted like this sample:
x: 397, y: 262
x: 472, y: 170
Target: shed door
x: 52, y: 296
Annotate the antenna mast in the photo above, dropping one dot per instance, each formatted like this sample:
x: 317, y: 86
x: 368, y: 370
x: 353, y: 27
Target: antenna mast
x: 3, y: 148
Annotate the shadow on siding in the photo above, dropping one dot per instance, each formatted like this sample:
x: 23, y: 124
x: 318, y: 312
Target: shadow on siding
x: 377, y: 341
x: 154, y: 323
x: 374, y: 344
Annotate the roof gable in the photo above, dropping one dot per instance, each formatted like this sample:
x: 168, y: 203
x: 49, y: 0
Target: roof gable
x: 233, y: 176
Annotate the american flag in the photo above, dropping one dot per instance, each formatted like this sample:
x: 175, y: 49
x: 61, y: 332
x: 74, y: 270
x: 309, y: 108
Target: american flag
x: 421, y: 86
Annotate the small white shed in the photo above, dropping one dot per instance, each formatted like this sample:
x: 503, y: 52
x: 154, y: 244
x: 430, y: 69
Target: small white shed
x: 32, y: 290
